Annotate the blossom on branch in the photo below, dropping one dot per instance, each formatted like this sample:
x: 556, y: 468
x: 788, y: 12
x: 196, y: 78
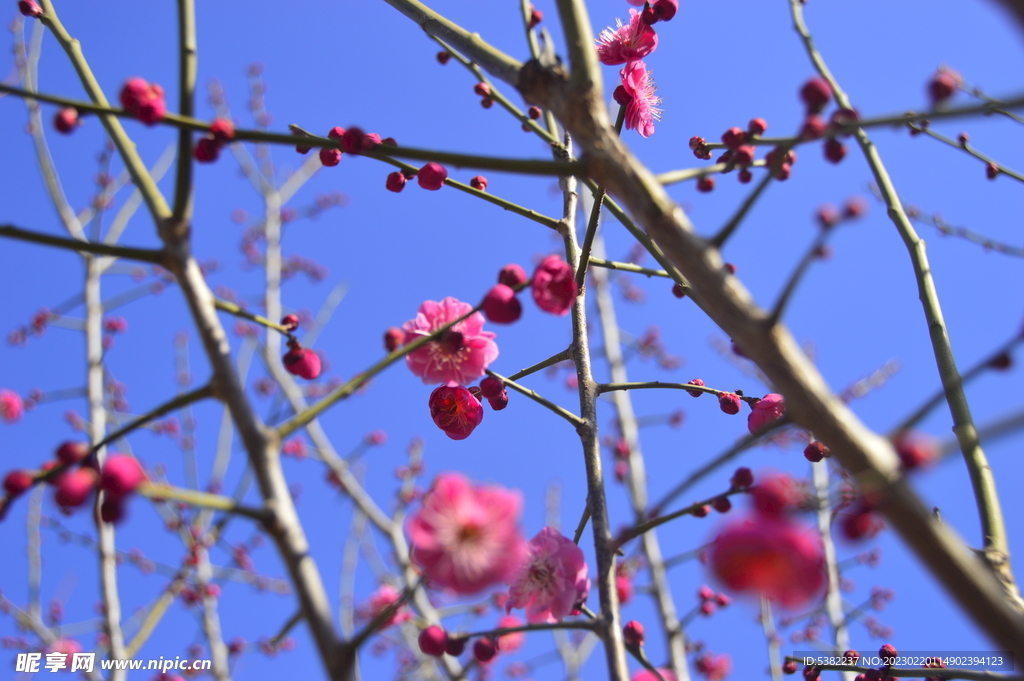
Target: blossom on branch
x: 456, y: 411
x: 381, y: 599
x: 466, y: 537
x: 628, y: 42
x: 460, y: 355
x: 642, y: 109
x: 552, y: 581
x: 11, y: 406
x: 554, y: 285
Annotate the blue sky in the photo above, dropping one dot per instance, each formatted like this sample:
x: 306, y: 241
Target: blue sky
x: 717, y: 65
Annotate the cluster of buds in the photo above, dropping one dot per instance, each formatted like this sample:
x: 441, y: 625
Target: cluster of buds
x: 431, y: 176
x: 208, y: 148
x: 353, y: 141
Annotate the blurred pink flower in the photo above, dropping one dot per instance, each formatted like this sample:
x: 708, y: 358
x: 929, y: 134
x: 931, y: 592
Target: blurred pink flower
x: 11, y: 406
x: 381, y: 599
x: 626, y: 43
x: 642, y: 110
x: 713, y: 667
x: 510, y: 643
x: 774, y: 556
x: 552, y: 581
x: 554, y: 285
x: 460, y: 355
x: 466, y: 537
x: 768, y: 409
x: 644, y: 675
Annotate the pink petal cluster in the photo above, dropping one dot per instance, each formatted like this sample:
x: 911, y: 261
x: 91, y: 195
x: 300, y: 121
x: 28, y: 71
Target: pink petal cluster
x: 144, y: 100
x: 383, y: 598
x: 455, y: 411
x: 466, y: 537
x: 554, y: 285
x: 626, y: 43
x: 767, y: 410
x: 642, y: 109
x: 713, y: 667
x: 11, y: 406
x: 553, y: 579
x: 644, y: 675
x: 775, y: 556
x: 457, y: 357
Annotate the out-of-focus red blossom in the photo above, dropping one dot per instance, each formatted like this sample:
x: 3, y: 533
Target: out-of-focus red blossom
x: 501, y: 305
x: 30, y: 8
x: 943, y: 85
x: 512, y: 275
x: 207, y: 150
x: 381, y: 599
x: 484, y: 650
x: 121, y: 475
x: 916, y: 450
x: 479, y: 182
x: 330, y: 157
x: 466, y: 537
x: 72, y: 452
x: 223, y: 130
x: 66, y: 120
x: 290, y: 322
x: 697, y: 382
x: 775, y: 495
x: 11, y: 406
x: 633, y: 634
x: 816, y: 451
x: 17, y: 482
x: 626, y: 43
x: 455, y: 411
x: 624, y: 588
x: 455, y: 646
x: 393, y: 338
x: 860, y: 521
x: 63, y: 646
x: 395, y: 182
x: 729, y: 403
x: 773, y: 556
x: 553, y: 579
x: 666, y: 10
x: 642, y: 109
x: 432, y: 176
x: 645, y: 675
x: 75, y: 487
x: 144, y: 100
x: 300, y: 361
x: 767, y: 410
x: 713, y: 667
x: 510, y: 643
x: 815, y: 94
x: 433, y: 640
x: 460, y: 355
x: 554, y: 285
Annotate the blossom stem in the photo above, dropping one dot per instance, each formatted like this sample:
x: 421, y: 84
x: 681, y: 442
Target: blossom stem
x: 218, y: 502
x: 126, y: 148
x: 996, y: 552
x: 628, y: 267
x: 640, y: 528
x: 149, y: 255
x: 550, y: 361
x: 595, y: 216
x: 677, y: 176
x: 966, y: 147
x: 935, y: 400
x: 187, y: 68
x: 238, y: 311
x: 740, y: 446
x: 345, y: 390
x: 642, y: 237
x: 608, y: 387
x: 576, y: 421
x: 588, y: 625
x: 165, y: 408
x: 797, y: 275
x: 286, y: 627
x: 723, y: 234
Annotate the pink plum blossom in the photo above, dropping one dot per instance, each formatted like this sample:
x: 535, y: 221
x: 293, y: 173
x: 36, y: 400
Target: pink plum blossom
x: 552, y: 581
x: 466, y: 537
x: 554, y: 285
x: 774, y: 556
x: 767, y: 410
x: 11, y: 406
x: 380, y: 599
x: 642, y: 110
x: 626, y: 43
x: 644, y: 675
x: 460, y: 355
x: 455, y: 411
